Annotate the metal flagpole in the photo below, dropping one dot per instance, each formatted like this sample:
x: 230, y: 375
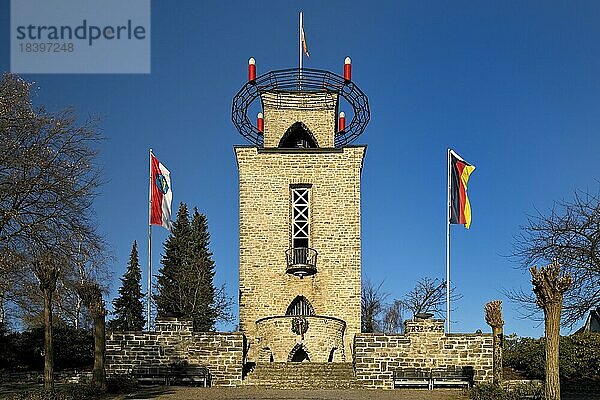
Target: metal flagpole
x: 149, y: 294
x: 448, y: 248
x: 300, y: 52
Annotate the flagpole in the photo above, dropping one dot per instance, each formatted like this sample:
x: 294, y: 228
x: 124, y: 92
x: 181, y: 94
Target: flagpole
x: 448, y: 247
x: 300, y: 51
x: 149, y: 294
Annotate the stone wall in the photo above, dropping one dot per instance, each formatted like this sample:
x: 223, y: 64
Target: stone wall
x: 174, y: 341
x: 425, y: 346
x: 316, y: 110
x: 266, y: 290
x: 323, y: 338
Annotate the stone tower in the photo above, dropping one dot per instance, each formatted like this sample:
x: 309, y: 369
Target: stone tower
x: 299, y: 199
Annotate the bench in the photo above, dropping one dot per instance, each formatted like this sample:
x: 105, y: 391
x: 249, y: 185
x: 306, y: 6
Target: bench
x: 151, y: 375
x: 190, y: 374
x: 412, y: 377
x: 171, y: 375
x: 453, y: 376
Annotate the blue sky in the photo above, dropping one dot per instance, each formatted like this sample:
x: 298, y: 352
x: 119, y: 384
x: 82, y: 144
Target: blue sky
x: 512, y: 86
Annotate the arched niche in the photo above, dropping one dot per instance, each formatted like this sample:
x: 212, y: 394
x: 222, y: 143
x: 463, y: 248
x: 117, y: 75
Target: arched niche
x: 299, y: 353
x: 298, y: 136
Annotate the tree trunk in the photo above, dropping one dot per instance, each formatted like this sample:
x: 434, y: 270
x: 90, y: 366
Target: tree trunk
x: 493, y: 317
x: 98, y: 374
x: 91, y: 295
x: 549, y: 287
x: 48, y: 351
x: 552, y: 325
x: 497, y: 333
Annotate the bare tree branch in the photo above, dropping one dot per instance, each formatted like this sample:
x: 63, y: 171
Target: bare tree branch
x: 372, y: 306
x: 428, y: 296
x: 570, y: 234
x: 48, y: 182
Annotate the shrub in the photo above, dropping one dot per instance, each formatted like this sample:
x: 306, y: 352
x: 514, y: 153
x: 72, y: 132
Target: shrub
x: 489, y: 391
x: 73, y: 349
x: 62, y: 392
x: 579, y: 356
x: 525, y: 354
x: 121, y: 384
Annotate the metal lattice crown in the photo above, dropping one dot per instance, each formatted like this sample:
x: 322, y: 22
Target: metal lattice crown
x: 301, y: 81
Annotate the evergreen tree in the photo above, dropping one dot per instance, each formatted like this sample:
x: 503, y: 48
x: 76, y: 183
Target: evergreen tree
x: 203, y: 265
x: 129, y: 306
x: 169, y: 297
x: 185, y: 281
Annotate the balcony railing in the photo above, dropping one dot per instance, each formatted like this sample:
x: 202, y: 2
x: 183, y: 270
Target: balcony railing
x: 301, y: 261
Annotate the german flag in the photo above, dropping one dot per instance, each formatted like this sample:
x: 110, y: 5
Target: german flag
x: 460, y: 208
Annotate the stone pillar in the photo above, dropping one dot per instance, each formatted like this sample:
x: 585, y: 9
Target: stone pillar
x: 493, y: 317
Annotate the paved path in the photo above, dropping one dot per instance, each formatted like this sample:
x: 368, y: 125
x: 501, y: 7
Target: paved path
x: 184, y: 393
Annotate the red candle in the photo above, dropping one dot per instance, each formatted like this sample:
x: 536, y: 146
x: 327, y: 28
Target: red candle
x: 342, y: 122
x: 260, y: 122
x: 348, y: 69
x: 251, y: 70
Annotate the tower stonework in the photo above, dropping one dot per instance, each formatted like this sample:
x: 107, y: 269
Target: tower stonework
x: 300, y: 261
x: 333, y: 179
x: 300, y: 232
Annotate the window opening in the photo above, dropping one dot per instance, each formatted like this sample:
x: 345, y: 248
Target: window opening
x: 300, y: 306
x: 300, y: 217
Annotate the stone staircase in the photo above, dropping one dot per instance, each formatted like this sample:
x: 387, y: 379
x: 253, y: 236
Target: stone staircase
x: 305, y: 375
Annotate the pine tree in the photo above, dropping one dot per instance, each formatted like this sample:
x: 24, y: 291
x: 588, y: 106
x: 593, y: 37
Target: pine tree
x: 203, y: 265
x: 129, y: 306
x: 169, y: 297
x: 185, y: 281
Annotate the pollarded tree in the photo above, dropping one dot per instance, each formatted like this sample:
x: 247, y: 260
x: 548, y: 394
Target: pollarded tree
x: 493, y: 317
x: 549, y: 286
x: 129, y: 306
x: 48, y: 181
x: 91, y: 295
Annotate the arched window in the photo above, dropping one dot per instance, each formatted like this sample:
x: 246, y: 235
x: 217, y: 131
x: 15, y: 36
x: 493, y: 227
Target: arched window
x: 300, y: 306
x: 298, y: 136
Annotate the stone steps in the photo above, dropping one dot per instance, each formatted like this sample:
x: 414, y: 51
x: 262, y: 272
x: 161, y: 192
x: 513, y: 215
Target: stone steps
x: 305, y: 375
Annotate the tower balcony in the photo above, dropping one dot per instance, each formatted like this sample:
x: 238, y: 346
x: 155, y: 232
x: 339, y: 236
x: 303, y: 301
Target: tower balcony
x: 301, y: 261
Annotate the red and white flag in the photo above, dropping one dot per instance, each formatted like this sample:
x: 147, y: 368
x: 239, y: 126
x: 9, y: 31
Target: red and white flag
x: 161, y: 194
x: 303, y: 38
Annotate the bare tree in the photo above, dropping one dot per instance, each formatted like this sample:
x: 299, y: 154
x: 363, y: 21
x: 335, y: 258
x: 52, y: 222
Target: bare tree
x: 549, y: 286
x: 48, y: 181
x: 428, y: 296
x: 393, y: 318
x: 570, y: 234
x: 9, y: 275
x: 372, y: 306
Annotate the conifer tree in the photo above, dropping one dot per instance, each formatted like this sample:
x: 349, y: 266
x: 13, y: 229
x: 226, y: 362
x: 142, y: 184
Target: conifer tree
x: 170, y: 279
x: 185, y: 282
x: 202, y: 264
x: 129, y: 306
